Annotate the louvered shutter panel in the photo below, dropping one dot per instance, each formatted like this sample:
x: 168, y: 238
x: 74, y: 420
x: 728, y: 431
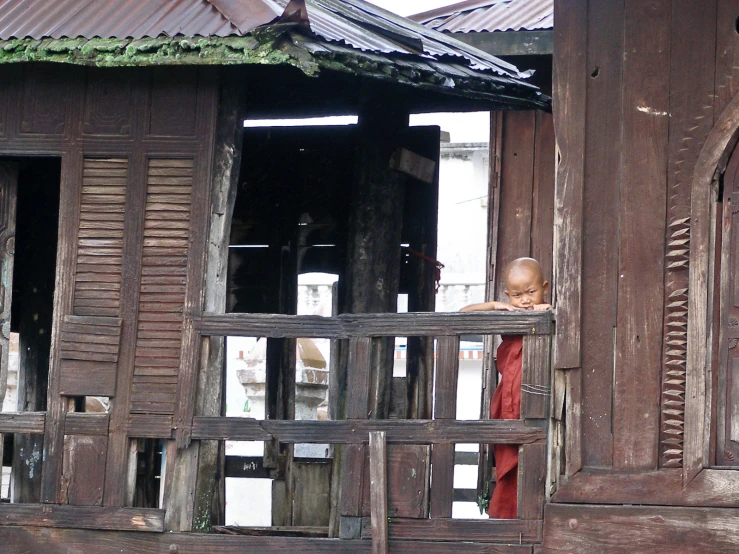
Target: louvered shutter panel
x: 163, y: 281
x: 91, y: 335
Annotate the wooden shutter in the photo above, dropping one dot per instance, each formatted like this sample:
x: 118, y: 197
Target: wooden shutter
x: 163, y: 280
x: 91, y: 336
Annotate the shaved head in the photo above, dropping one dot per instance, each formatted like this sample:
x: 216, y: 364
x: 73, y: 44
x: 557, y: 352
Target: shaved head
x: 528, y: 265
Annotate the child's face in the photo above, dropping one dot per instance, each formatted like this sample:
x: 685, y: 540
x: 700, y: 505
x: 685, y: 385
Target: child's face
x: 525, y: 288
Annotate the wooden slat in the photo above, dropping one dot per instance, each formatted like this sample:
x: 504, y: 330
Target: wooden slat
x: 542, y: 212
x: 568, y: 93
x: 81, y: 517
x: 473, y: 530
x: 80, y: 423
x: 535, y: 378
x: 414, y: 431
x: 378, y: 492
x: 31, y: 423
x: 600, y: 255
x: 588, y: 528
x: 357, y: 407
x: 641, y: 239
x: 445, y: 408
x: 374, y: 325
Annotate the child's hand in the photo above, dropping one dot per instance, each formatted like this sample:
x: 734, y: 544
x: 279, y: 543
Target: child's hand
x: 488, y: 307
x: 542, y: 307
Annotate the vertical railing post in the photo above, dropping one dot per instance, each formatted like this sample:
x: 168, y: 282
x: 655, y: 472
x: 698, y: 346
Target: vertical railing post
x: 445, y: 407
x: 535, y: 402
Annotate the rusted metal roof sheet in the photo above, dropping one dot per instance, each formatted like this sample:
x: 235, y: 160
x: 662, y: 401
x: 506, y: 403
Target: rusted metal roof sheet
x: 40, y: 19
x: 355, y: 23
x: 475, y: 16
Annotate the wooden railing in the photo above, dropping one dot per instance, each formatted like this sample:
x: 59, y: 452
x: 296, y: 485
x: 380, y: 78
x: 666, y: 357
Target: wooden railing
x: 441, y: 432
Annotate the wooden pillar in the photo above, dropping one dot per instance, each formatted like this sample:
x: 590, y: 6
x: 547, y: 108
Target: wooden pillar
x: 373, y: 267
x: 196, y: 467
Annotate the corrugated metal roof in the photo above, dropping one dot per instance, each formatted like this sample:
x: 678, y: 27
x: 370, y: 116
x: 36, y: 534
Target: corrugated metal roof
x: 111, y: 19
x: 338, y: 34
x: 355, y: 23
x: 475, y: 16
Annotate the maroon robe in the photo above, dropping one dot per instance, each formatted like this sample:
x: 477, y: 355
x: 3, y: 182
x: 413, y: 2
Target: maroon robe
x: 506, y: 404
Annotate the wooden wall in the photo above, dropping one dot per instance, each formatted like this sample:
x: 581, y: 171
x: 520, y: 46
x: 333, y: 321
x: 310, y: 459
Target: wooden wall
x: 638, y: 87
x: 136, y: 149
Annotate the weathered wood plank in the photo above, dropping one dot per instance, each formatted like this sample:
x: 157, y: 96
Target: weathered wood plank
x: 715, y: 488
x: 532, y: 470
x: 535, y: 379
x: 81, y: 517
x: 407, y: 482
x: 31, y: 423
x: 542, y: 211
x: 473, y: 530
x: 516, y: 191
x: 83, y: 471
x: 414, y: 431
x: 378, y: 491
x: 80, y: 423
x: 445, y: 408
x: 21, y: 540
x: 588, y: 528
x: 603, y: 139
x: 374, y: 325
x: 642, y: 207
x: 568, y: 93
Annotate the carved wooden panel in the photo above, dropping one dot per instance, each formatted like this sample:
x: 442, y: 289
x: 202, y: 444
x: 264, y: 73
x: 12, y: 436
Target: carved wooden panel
x: 163, y: 280
x: 100, y: 241
x: 44, y: 105
x: 108, y: 103
x: 173, y: 102
x: 89, y: 355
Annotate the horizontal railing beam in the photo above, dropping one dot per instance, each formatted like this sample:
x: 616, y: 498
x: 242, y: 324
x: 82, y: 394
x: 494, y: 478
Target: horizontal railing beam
x: 30, y: 423
x: 408, y: 431
x: 422, y: 324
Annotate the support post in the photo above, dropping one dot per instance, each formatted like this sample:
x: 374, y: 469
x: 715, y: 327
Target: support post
x: 195, y: 467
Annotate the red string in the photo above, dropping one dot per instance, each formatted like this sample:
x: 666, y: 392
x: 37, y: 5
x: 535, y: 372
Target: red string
x: 437, y: 265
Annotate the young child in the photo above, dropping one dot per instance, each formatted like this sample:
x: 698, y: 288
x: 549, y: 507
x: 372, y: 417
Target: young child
x: 526, y: 289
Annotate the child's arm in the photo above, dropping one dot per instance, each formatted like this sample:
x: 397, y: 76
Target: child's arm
x: 488, y: 307
x: 542, y: 307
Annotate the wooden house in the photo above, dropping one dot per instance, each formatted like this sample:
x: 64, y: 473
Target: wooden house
x: 124, y: 162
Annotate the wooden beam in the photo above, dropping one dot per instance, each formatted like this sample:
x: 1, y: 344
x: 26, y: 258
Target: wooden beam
x: 81, y: 423
x: 473, y: 530
x: 21, y: 540
x: 511, y: 43
x: 30, y: 423
x: 413, y: 431
x: 712, y: 487
x: 624, y: 529
x: 82, y: 517
x: 374, y: 325
x: 378, y: 491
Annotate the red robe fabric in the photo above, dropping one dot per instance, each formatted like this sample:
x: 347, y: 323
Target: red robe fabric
x: 506, y: 404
